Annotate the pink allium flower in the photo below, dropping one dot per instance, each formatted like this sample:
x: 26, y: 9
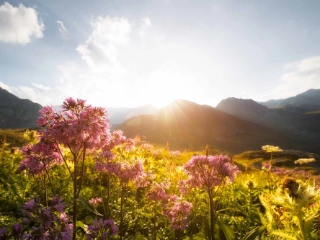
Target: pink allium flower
x: 177, y: 211
x: 77, y: 124
x: 157, y: 192
x: 95, y: 201
x: 40, y: 157
x: 125, y: 171
x: 209, y: 171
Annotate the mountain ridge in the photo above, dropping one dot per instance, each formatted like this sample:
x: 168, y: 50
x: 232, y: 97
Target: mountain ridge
x: 234, y: 125
x: 16, y: 112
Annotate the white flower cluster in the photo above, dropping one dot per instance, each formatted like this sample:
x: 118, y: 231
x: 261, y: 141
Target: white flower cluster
x: 304, y: 160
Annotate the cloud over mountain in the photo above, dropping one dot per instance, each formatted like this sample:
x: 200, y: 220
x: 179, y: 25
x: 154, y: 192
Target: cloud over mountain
x: 299, y: 76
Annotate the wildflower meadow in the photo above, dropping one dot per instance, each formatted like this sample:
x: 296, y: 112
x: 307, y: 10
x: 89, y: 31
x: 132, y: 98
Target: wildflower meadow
x: 77, y: 179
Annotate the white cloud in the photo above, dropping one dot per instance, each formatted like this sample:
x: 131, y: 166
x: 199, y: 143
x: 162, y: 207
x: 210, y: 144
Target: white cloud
x: 27, y: 93
x: 62, y: 29
x: 146, y: 24
x: 147, y: 21
x: 5, y: 86
x: 19, y: 24
x: 101, y: 49
x: 40, y: 86
x: 299, y: 77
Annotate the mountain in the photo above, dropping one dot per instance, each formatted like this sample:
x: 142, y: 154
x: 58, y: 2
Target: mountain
x: 185, y: 124
x: 119, y: 115
x: 305, y: 102
x: 16, y: 112
x: 252, y: 111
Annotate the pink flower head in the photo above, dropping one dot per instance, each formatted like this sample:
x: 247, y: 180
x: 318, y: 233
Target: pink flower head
x: 77, y: 124
x: 40, y: 157
x: 125, y: 171
x: 157, y: 191
x: 177, y: 211
x: 209, y: 171
x: 95, y: 201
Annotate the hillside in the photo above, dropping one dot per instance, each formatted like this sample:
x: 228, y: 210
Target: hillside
x: 184, y: 124
x: 252, y: 111
x: 16, y: 112
x: 305, y: 102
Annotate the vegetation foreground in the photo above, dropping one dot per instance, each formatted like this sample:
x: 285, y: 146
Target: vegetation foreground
x: 77, y: 180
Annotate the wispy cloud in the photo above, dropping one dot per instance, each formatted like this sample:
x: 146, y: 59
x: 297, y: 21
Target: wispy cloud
x: 101, y: 49
x: 19, y: 24
x: 62, y: 29
x: 299, y: 77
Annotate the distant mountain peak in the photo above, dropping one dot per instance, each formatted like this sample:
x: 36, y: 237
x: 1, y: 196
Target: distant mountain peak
x: 303, y: 102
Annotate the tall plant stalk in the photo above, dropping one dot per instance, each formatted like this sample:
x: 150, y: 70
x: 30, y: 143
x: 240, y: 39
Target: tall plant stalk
x: 212, y: 214
x: 121, y: 211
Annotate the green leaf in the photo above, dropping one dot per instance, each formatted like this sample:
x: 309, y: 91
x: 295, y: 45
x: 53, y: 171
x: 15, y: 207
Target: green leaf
x: 83, y: 226
x: 226, y: 230
x: 89, y: 207
x: 255, y: 234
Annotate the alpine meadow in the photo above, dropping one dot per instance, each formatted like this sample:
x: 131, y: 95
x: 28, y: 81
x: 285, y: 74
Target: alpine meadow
x: 160, y: 120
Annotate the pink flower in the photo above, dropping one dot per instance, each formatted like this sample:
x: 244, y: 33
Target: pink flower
x: 125, y: 171
x: 177, y: 211
x: 40, y: 157
x: 95, y: 202
x: 77, y: 124
x: 209, y: 171
x: 157, y: 192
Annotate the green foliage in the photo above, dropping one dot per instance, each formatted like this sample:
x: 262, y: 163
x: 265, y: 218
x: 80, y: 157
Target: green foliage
x: 246, y: 210
x: 14, y: 137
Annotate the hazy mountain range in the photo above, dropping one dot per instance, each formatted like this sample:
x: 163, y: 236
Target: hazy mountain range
x: 235, y: 125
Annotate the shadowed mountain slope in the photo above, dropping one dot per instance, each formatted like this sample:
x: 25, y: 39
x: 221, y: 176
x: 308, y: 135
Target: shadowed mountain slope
x: 184, y: 124
x: 305, y: 102
x: 16, y: 112
x: 252, y: 111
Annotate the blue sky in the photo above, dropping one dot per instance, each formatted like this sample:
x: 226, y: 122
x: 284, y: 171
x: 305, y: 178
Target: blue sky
x: 130, y: 53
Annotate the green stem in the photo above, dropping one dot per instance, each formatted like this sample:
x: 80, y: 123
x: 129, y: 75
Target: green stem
x: 45, y: 190
x: 82, y: 170
x: 211, y: 214
x: 155, y: 221
x: 74, y: 199
x: 121, y: 211
x: 108, y: 196
x: 50, y: 182
x: 302, y: 228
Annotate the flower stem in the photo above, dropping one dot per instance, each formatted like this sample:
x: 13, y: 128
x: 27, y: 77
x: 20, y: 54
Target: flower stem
x: 301, y: 225
x: 211, y: 214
